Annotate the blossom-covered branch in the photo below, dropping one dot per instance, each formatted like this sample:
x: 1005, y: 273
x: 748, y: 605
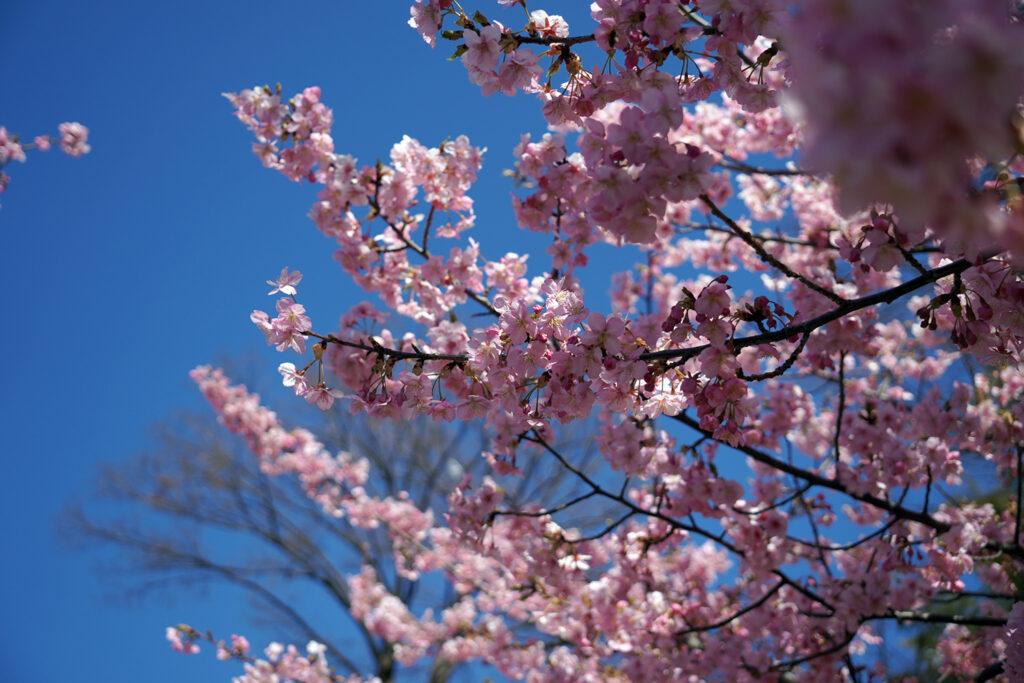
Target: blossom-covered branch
x: 775, y: 440
x: 72, y: 141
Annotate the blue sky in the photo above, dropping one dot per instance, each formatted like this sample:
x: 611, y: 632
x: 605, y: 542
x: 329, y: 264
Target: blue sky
x: 133, y: 264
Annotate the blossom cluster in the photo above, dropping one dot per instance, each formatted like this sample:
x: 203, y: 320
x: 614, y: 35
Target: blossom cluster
x: 794, y: 369
x: 72, y: 141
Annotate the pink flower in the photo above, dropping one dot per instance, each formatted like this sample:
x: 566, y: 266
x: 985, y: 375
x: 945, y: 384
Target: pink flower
x: 549, y: 25
x: 714, y: 300
x: 72, y: 138
x: 426, y: 18
x: 289, y: 325
x: 285, y: 282
x: 449, y: 337
x: 718, y: 361
x: 261, y: 110
x: 322, y: 396
x: 261, y: 320
x: 310, y: 116
x: 187, y: 647
x: 604, y: 332
x: 575, y: 561
x: 9, y: 147
x: 662, y: 21
x: 483, y: 49
x: 239, y: 644
x: 520, y: 70
x: 293, y: 378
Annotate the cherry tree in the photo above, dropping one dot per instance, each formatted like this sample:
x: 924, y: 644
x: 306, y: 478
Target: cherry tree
x: 818, y: 342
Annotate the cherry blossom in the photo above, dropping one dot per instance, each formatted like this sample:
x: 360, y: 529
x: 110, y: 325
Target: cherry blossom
x: 73, y: 138
x: 285, y: 283
x: 174, y: 636
x: 814, y: 337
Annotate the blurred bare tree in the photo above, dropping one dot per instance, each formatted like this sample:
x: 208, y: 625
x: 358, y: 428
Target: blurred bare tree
x: 195, y: 510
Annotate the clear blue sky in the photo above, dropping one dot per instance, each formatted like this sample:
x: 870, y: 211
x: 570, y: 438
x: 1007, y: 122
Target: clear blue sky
x: 131, y: 265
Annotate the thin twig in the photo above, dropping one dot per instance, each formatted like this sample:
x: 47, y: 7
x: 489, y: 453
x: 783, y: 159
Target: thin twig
x: 782, y: 368
x: 752, y: 242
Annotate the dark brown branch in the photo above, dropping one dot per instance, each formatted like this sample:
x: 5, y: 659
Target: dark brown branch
x: 386, y: 352
x: 782, y: 368
x: 1020, y: 500
x: 989, y: 672
x: 734, y: 165
x: 752, y: 242
x: 840, y: 311
x: 732, y: 617
x: 932, y: 618
x: 841, y: 407
x: 683, y: 228
x: 535, y: 437
x: 681, y: 355
x: 818, y: 480
x: 540, y: 40
x: 848, y: 546
x: 975, y: 594
x: 836, y: 647
x: 547, y: 511
x: 1011, y: 549
x: 691, y: 226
